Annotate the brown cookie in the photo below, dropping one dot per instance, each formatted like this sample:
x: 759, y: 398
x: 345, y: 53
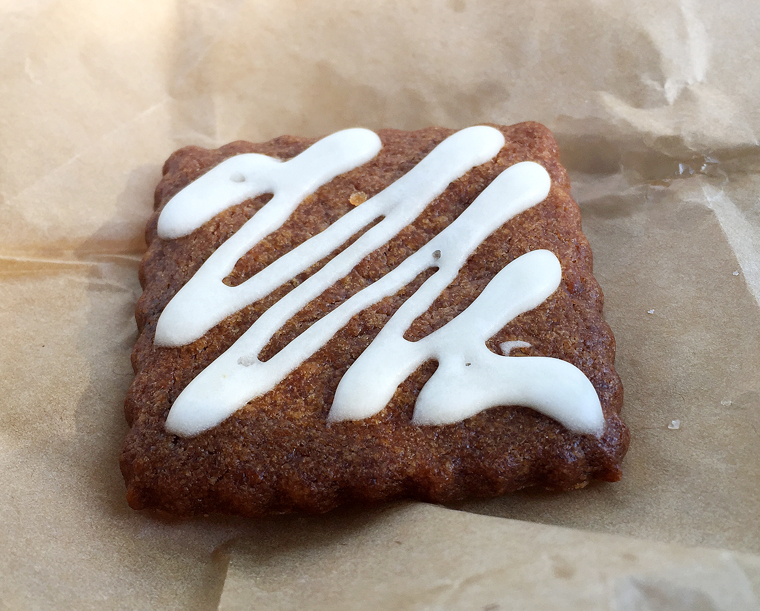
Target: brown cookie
x: 280, y: 452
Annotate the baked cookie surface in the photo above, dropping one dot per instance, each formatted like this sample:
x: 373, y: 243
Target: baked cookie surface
x: 359, y: 415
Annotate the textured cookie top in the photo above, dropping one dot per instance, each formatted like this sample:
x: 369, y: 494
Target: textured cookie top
x: 469, y: 377
x: 333, y: 321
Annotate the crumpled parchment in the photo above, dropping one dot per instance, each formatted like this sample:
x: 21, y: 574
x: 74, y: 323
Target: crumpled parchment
x: 654, y: 104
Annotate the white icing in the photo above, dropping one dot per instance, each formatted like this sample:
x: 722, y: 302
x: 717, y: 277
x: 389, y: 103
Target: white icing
x: 205, y: 301
x: 507, y: 347
x: 469, y: 377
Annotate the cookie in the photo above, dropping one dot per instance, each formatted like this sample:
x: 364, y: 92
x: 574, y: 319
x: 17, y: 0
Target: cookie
x: 368, y: 317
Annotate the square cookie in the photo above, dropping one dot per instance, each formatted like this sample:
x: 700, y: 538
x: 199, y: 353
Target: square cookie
x: 366, y: 317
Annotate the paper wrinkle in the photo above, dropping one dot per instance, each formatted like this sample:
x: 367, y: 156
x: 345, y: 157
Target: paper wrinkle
x: 654, y: 104
x: 37, y: 262
x: 723, y: 586
x: 445, y: 593
x: 696, y: 50
x: 741, y: 234
x: 202, y: 25
x: 61, y: 169
x: 683, y: 45
x: 29, y: 72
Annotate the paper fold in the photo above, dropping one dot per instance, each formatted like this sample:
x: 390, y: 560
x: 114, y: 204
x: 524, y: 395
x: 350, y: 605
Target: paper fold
x: 654, y: 104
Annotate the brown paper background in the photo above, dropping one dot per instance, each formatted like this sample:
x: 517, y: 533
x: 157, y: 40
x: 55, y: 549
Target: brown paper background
x: 397, y: 558
x: 654, y: 104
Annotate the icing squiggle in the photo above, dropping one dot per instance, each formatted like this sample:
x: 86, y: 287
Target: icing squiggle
x: 469, y: 377
x: 205, y: 300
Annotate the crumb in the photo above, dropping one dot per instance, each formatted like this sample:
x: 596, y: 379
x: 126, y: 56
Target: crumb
x: 357, y: 198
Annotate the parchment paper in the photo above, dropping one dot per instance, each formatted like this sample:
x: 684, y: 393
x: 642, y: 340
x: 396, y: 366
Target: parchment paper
x: 424, y: 557
x: 654, y: 104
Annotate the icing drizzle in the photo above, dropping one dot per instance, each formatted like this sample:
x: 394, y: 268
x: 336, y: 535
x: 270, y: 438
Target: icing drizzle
x: 469, y: 377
